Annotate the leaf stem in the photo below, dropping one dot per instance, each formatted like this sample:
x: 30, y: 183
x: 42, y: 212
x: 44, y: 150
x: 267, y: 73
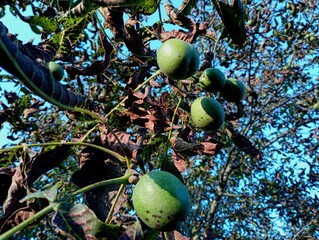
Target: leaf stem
x: 112, y: 153
x: 120, y: 180
x: 110, y: 214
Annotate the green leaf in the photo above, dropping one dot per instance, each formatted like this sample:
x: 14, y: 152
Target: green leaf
x: 187, y: 6
x: 146, y: 7
x: 47, y: 24
x: 72, y: 29
x: 49, y: 194
x: 80, y: 222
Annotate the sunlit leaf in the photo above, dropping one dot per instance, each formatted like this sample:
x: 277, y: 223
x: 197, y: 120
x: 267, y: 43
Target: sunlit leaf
x: 49, y: 194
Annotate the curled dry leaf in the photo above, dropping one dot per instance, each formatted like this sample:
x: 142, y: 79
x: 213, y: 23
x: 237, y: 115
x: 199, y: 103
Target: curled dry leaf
x: 17, y: 217
x: 96, y: 67
x: 119, y: 142
x: 195, y: 29
x: 97, y: 166
x: 177, y: 236
x: 183, y: 149
x: 5, y: 180
x: 243, y: 143
x: 11, y: 203
x: 208, y: 146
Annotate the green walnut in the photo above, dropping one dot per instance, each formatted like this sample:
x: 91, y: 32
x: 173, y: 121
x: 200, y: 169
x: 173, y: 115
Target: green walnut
x: 212, y: 80
x: 233, y: 91
x: 178, y: 59
x: 161, y: 200
x: 56, y: 70
x: 207, y: 113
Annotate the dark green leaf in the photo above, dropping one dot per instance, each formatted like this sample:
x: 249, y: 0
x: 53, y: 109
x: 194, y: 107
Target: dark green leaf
x: 179, y: 145
x: 233, y: 18
x: 80, y: 222
x: 187, y: 6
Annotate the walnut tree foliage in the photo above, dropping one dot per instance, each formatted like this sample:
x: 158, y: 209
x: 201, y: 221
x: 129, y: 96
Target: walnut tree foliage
x: 84, y: 141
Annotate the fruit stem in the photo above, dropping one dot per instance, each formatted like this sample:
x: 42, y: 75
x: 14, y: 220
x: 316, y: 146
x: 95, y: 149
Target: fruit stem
x: 110, y: 214
x: 112, y: 153
x: 120, y: 180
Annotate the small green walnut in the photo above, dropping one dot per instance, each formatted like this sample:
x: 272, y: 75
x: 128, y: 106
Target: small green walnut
x: 212, y: 80
x: 178, y: 59
x: 161, y: 200
x: 56, y: 70
x: 207, y: 113
x: 233, y: 91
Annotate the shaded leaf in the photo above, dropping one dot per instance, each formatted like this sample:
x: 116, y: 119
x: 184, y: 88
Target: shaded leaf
x: 96, y: 67
x: 208, y: 146
x: 243, y: 143
x: 187, y: 6
x: 170, y: 166
x: 194, y: 29
x: 176, y: 17
x: 316, y: 106
x: 19, y: 216
x: 97, y: 166
x: 46, y: 160
x: 15, y: 191
x: 35, y: 75
x: 120, y: 142
x: 180, y: 161
x: 233, y: 18
x: 179, y: 145
x: 177, y: 236
x: 5, y: 182
x: 80, y: 222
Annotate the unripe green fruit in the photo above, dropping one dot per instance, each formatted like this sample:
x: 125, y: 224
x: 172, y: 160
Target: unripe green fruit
x: 56, y: 70
x: 207, y: 113
x: 178, y: 59
x: 233, y: 91
x: 212, y: 80
x: 161, y: 200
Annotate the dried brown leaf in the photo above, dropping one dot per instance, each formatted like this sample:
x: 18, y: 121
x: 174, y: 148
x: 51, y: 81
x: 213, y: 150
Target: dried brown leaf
x: 179, y: 161
x: 15, y: 192
x: 119, y: 141
x: 177, y: 236
x: 97, y: 67
x: 243, y: 143
x: 17, y: 217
